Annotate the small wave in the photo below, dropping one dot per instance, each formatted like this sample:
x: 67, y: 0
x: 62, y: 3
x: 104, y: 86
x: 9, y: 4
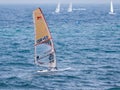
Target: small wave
x: 19, y: 64
x: 115, y: 88
x: 3, y: 84
x: 24, y: 51
x: 16, y: 82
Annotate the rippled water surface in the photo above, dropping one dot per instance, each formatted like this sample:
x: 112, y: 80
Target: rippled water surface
x: 87, y: 41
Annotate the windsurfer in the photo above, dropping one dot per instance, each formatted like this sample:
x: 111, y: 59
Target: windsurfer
x: 37, y: 57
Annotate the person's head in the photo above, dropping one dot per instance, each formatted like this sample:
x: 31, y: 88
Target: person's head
x: 37, y: 57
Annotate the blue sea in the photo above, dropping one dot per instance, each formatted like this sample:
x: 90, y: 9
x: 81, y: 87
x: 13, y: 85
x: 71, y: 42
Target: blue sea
x: 87, y: 41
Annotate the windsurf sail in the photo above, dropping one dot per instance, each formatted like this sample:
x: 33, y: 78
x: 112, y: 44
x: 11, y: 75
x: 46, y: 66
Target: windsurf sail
x: 111, y: 8
x: 70, y: 7
x: 58, y: 8
x: 44, y: 48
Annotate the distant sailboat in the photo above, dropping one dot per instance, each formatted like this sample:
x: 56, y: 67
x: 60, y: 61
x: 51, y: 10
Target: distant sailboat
x: 111, y: 8
x: 58, y: 8
x: 70, y: 7
x: 45, y: 55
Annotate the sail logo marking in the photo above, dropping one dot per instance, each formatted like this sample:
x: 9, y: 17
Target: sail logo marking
x: 42, y: 39
x: 39, y: 17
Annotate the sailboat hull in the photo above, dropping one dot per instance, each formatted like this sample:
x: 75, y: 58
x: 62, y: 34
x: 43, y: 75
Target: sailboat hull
x: 111, y: 13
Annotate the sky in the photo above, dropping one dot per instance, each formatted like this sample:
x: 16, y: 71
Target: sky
x: 55, y: 1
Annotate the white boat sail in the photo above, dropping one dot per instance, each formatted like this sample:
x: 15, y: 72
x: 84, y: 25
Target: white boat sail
x: 111, y: 8
x: 58, y: 8
x: 45, y: 55
x: 70, y: 7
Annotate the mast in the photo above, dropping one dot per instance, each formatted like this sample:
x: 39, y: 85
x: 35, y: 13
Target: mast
x: 35, y: 61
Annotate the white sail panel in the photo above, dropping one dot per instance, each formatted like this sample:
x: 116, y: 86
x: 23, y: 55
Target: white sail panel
x: 111, y: 8
x: 70, y: 7
x: 58, y: 8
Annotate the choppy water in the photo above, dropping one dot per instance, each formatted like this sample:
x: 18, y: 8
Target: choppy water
x: 87, y: 41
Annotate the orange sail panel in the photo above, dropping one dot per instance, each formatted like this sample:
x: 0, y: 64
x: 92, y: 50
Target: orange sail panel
x: 42, y: 33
